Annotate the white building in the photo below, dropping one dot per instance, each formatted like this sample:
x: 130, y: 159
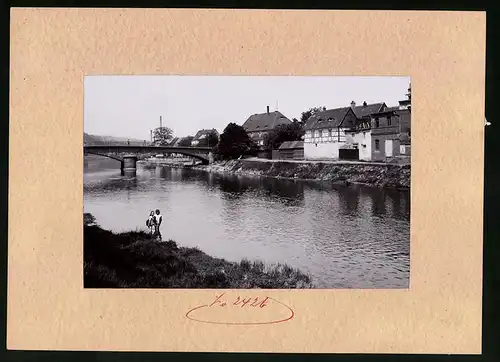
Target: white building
x: 361, y: 138
x: 329, y: 131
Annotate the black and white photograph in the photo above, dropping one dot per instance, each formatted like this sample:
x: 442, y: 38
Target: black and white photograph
x: 241, y: 182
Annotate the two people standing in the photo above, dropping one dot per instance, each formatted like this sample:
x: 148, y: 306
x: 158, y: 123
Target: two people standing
x: 153, y: 223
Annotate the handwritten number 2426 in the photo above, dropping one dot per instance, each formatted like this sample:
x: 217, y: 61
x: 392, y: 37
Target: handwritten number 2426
x: 241, y: 302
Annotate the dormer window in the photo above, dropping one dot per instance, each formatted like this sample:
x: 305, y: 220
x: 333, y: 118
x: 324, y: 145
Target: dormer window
x: 331, y: 119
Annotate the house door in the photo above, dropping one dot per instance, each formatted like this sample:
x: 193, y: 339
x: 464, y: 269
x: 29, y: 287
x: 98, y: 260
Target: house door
x: 388, y: 148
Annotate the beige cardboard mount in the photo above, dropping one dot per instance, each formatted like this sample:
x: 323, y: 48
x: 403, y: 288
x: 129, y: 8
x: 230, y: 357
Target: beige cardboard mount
x: 53, y: 49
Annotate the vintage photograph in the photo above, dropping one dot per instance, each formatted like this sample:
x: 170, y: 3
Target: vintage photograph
x: 276, y: 182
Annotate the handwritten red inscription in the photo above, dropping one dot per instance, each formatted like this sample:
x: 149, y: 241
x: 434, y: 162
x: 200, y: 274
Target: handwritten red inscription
x: 239, y: 310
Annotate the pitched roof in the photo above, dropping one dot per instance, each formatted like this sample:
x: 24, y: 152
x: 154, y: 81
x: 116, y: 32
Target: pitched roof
x: 173, y: 141
x: 325, y: 119
x: 363, y: 111
x: 390, y: 109
x: 265, y: 121
x: 291, y: 144
x: 204, y: 132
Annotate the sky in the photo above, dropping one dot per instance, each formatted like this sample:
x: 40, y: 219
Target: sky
x: 130, y: 106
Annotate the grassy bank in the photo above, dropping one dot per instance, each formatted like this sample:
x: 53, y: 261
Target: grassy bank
x: 375, y: 174
x: 135, y: 260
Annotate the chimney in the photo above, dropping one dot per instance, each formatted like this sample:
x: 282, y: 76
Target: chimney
x: 364, y: 104
x: 353, y: 104
x: 267, y: 109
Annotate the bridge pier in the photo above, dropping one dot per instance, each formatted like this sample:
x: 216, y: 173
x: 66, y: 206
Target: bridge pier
x: 129, y: 165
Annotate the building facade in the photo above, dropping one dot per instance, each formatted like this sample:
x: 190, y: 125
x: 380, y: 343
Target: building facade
x: 348, y: 128
x: 201, y: 135
x: 361, y: 139
x: 391, y: 133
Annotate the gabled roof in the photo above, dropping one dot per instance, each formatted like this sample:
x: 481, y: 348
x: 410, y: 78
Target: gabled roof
x: 390, y: 109
x: 204, y: 132
x: 327, y: 119
x: 265, y: 121
x: 364, y: 111
x: 291, y: 144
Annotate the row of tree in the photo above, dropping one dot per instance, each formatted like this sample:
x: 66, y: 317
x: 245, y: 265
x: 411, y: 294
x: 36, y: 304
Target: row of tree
x: 235, y: 142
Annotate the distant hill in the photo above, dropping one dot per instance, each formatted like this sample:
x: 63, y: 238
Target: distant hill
x: 94, y: 140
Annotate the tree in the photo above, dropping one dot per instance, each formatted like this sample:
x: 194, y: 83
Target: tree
x: 283, y: 133
x: 305, y: 115
x: 162, y: 136
x: 186, y: 141
x: 210, y: 140
x: 235, y: 142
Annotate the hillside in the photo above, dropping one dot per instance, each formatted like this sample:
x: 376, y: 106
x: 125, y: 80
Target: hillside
x: 96, y: 140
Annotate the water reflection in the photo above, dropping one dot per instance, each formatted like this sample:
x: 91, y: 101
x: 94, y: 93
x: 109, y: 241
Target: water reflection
x: 344, y: 236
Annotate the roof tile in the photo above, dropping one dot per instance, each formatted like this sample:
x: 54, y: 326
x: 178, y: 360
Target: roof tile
x: 265, y: 121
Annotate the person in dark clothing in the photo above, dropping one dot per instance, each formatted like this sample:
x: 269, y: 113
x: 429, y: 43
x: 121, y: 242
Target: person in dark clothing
x: 158, y: 219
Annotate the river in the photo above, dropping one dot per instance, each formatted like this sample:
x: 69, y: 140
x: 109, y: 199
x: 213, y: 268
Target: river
x: 342, y: 236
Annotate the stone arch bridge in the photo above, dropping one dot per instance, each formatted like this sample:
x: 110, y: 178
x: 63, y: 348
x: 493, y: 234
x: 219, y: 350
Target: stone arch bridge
x: 129, y: 155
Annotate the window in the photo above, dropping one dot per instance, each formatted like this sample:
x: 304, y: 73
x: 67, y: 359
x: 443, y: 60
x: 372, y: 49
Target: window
x: 329, y: 133
x: 377, y: 145
x: 316, y: 133
x: 308, y: 134
x: 388, y: 120
x: 321, y: 133
x: 377, y: 123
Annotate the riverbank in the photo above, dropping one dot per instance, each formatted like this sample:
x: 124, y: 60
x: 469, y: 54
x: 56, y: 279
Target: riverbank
x: 368, y: 173
x: 135, y: 260
x: 170, y: 162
